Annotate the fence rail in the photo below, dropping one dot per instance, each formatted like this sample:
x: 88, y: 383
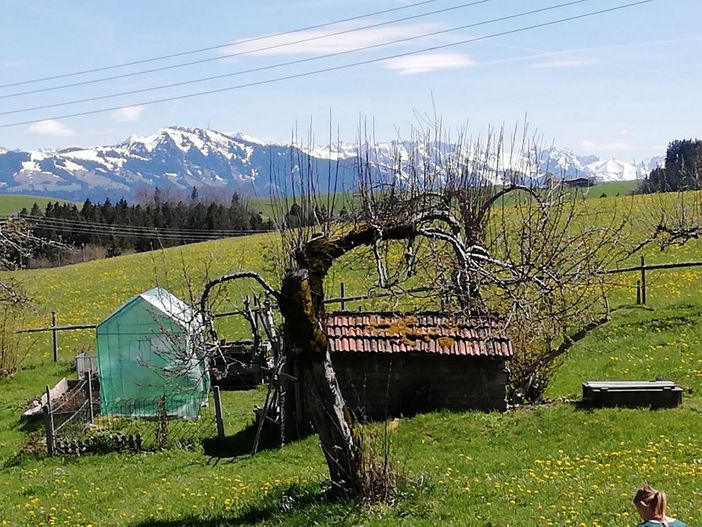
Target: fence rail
x: 343, y: 299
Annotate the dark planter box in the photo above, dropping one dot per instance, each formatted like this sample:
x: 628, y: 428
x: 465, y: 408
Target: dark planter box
x: 654, y: 394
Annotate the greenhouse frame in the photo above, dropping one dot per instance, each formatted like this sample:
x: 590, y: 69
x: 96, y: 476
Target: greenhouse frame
x: 150, y: 358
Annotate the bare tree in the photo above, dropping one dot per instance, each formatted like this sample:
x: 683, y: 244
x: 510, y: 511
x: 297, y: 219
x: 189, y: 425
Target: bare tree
x: 17, y: 244
x: 492, y: 241
x: 671, y: 218
x: 469, y: 220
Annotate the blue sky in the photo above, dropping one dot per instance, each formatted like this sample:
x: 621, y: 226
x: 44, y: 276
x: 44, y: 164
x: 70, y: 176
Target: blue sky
x: 621, y: 84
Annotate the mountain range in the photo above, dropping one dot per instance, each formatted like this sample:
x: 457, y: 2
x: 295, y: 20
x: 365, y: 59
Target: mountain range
x: 182, y: 158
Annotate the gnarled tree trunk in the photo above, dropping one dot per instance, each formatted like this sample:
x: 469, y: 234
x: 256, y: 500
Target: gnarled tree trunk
x: 306, y: 346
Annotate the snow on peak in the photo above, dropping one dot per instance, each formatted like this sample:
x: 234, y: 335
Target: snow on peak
x: 242, y: 136
x: 148, y: 142
x: 612, y: 170
x: 185, y: 157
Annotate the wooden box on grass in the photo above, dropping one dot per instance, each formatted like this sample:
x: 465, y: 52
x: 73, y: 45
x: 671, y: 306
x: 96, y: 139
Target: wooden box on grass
x: 654, y: 394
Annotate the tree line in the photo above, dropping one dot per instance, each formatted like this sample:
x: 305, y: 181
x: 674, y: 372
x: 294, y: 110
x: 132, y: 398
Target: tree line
x: 121, y: 226
x: 682, y: 169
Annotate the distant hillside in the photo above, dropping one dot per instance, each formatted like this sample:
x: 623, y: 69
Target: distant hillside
x: 11, y: 203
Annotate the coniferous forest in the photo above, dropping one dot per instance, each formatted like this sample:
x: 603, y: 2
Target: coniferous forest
x: 122, y: 227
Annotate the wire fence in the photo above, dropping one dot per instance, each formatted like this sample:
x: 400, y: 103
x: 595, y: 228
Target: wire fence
x: 77, y: 426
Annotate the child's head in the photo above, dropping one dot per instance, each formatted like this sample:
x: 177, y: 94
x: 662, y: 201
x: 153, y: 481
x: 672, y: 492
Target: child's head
x: 650, y: 503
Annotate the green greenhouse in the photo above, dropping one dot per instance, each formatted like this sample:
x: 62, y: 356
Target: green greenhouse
x: 150, y: 358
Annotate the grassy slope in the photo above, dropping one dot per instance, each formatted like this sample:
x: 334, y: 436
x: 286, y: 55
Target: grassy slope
x: 276, y: 209
x: 617, y: 188
x: 11, y: 203
x: 552, y: 465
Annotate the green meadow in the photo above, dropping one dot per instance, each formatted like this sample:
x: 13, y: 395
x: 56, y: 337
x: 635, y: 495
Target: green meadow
x: 11, y: 203
x: 555, y: 464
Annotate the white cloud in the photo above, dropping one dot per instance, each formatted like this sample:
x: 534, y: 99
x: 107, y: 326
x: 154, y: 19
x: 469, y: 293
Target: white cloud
x: 128, y: 114
x: 423, y: 63
x: 322, y: 42
x: 52, y: 128
x: 13, y: 63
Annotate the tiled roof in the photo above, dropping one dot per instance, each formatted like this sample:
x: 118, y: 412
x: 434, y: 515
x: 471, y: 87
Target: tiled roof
x: 421, y: 333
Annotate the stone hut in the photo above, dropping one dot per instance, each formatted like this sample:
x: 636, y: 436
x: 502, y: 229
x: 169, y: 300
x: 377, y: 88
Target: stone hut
x: 393, y: 364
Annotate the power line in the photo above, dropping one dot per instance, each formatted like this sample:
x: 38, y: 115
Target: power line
x: 217, y: 46
x: 247, y: 52
x: 296, y: 61
x: 145, y: 233
x: 335, y: 68
x: 184, y: 232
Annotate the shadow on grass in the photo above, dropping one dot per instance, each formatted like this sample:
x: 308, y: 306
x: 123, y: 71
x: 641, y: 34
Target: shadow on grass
x: 32, y: 446
x: 590, y: 407
x: 241, y: 443
x: 284, y: 501
x: 666, y: 319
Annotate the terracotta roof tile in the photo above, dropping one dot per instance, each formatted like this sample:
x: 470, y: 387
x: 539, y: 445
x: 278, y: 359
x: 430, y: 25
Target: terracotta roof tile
x: 424, y: 333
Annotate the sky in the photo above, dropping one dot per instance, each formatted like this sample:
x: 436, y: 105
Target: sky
x: 619, y: 85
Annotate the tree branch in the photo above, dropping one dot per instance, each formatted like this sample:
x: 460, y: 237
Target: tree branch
x: 506, y: 190
x: 235, y: 276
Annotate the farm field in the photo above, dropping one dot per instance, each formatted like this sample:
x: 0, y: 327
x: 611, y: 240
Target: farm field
x: 269, y: 209
x: 616, y: 188
x: 11, y: 203
x: 555, y: 464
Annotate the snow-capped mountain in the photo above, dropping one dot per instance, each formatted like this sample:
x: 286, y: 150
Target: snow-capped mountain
x: 181, y: 158
x: 174, y: 157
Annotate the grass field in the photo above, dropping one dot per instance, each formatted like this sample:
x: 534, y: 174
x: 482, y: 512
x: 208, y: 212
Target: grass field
x: 617, y: 188
x: 11, y: 203
x: 275, y: 209
x: 555, y: 464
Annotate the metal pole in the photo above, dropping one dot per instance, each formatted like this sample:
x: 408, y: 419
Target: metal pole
x: 643, y: 280
x: 218, y: 413
x: 54, y: 336
x: 49, y: 423
x: 342, y: 294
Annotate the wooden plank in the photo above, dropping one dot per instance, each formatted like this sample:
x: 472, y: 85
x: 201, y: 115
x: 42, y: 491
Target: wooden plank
x: 57, y: 391
x: 630, y: 385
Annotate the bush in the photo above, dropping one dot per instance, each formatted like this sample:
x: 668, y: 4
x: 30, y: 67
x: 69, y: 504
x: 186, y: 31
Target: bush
x: 14, y: 346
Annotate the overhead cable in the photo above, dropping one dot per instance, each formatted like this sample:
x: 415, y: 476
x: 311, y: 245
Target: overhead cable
x: 296, y: 61
x: 248, y: 51
x: 216, y: 46
x: 333, y: 68
x: 52, y: 223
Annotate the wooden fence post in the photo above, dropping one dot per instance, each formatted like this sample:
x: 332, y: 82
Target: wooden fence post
x: 218, y: 413
x: 49, y: 424
x: 54, y: 336
x: 643, y: 280
x: 342, y: 294
x: 638, y: 292
x: 89, y: 379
